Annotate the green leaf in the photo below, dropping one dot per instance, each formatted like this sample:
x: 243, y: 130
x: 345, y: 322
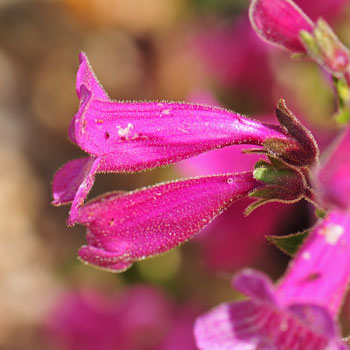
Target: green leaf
x: 289, y: 244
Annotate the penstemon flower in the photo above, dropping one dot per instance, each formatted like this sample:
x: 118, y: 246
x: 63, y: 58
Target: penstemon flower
x: 300, y: 312
x: 134, y: 136
x: 138, y: 317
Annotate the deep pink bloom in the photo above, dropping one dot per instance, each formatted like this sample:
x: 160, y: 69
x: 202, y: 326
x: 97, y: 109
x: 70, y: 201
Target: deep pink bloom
x: 138, y: 318
x: 283, y: 23
x: 124, y: 227
x: 299, y: 313
x: 133, y: 136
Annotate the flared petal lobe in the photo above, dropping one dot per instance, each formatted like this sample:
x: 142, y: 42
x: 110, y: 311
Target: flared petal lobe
x: 262, y: 324
x: 123, y: 228
x: 73, y: 182
x: 279, y: 22
x: 86, y: 77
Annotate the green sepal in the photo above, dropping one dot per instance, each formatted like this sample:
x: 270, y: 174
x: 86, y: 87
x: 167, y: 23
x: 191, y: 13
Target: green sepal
x: 268, y: 174
x: 251, y: 207
x: 342, y: 117
x: 309, y: 42
x: 320, y: 213
x: 274, y: 192
x: 289, y: 244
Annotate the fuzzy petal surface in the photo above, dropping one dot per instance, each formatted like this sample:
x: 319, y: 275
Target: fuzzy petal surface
x: 73, y: 182
x: 320, y: 272
x: 141, y: 135
x: 279, y: 22
x: 133, y: 136
x: 123, y: 228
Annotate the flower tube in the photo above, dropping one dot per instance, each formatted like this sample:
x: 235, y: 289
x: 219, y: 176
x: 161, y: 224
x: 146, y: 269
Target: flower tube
x: 126, y: 227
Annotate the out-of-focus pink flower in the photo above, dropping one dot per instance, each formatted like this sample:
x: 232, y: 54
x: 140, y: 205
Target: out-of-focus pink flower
x: 283, y: 23
x: 300, y: 312
x: 139, y: 318
x: 231, y: 54
x: 133, y: 136
x: 332, y: 179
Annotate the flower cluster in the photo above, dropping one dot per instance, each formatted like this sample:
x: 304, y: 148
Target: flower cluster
x: 134, y: 136
x: 123, y: 227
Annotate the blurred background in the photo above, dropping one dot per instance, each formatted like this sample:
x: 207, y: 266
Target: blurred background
x: 193, y: 50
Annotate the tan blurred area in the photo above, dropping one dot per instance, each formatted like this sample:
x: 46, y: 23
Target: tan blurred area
x: 39, y: 46
x: 139, y: 49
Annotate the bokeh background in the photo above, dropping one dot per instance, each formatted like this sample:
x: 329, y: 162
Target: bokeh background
x: 193, y: 50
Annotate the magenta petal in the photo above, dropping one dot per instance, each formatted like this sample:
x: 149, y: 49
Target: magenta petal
x: 257, y: 326
x: 333, y: 178
x: 132, y: 136
x: 227, y: 327
x: 86, y: 76
x: 87, y: 86
x: 68, y: 179
x: 153, y: 220
x: 73, y: 182
x: 279, y: 22
x: 320, y: 272
x: 254, y: 325
x: 110, y: 261
x: 140, y: 135
x: 317, y: 317
x: 255, y: 285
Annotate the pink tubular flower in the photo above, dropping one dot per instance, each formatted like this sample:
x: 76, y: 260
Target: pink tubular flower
x: 126, y: 227
x: 134, y: 136
x: 300, y: 312
x: 138, y: 318
x: 126, y: 137
x: 283, y: 23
